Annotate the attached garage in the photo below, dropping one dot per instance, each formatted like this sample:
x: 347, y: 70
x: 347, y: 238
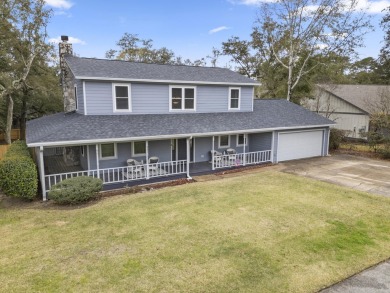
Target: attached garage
x: 300, y: 144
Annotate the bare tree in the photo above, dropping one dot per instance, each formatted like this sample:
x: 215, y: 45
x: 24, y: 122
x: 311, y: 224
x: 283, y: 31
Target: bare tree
x: 298, y: 33
x: 22, y: 38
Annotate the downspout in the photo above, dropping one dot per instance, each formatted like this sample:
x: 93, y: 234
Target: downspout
x: 188, y: 157
x: 42, y: 173
x: 147, y: 158
x: 97, y: 160
x: 212, y: 155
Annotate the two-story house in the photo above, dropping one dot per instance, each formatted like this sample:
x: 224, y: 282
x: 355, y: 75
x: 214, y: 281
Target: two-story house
x: 127, y: 121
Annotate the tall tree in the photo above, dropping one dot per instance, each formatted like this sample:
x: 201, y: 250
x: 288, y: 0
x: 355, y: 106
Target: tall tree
x: 22, y: 39
x: 299, y: 33
x: 384, y: 58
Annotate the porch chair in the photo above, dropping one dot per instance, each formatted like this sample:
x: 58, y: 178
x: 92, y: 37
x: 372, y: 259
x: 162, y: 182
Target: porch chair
x: 231, y: 156
x: 153, y: 167
x: 217, y: 157
x: 134, y: 167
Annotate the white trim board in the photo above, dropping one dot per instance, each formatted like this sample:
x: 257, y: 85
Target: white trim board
x: 169, y: 136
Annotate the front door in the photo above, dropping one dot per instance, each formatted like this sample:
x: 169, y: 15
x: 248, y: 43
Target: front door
x: 181, y: 149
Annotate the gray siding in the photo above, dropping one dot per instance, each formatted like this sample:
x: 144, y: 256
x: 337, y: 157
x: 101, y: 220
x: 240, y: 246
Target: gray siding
x: 80, y: 96
x: 154, y: 98
x: 260, y: 141
x: 203, y: 146
x: 160, y: 148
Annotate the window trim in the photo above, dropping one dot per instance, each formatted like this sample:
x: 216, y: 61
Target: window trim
x: 108, y: 158
x: 230, y: 98
x: 182, y: 87
x: 245, y: 140
x: 132, y: 149
x: 223, y: 146
x: 114, y: 85
x: 76, y: 97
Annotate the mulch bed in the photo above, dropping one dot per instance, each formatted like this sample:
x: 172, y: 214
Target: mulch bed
x: 241, y: 169
x: 370, y: 155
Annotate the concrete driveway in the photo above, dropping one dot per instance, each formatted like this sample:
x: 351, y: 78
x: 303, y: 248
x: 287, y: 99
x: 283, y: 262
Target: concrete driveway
x: 359, y: 173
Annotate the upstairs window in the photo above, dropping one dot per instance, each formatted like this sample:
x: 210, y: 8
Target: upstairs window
x: 182, y: 98
x: 234, y: 98
x: 121, y: 94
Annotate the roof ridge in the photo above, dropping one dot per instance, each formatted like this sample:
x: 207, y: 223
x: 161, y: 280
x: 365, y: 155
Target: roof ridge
x: 138, y: 62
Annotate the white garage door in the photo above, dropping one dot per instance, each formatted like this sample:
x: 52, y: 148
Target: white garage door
x: 298, y: 145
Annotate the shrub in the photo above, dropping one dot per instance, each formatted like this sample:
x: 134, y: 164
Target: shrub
x: 75, y: 190
x: 18, y: 173
x: 335, y: 138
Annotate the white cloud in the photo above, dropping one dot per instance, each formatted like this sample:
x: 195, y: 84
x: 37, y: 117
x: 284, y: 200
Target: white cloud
x: 71, y: 40
x: 61, y: 4
x: 372, y: 7
x: 218, y: 29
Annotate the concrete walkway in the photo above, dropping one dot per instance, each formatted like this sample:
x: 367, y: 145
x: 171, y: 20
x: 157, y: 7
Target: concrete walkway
x: 372, y: 280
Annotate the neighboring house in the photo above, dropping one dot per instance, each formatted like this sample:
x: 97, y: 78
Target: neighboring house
x: 350, y: 106
x: 184, y: 115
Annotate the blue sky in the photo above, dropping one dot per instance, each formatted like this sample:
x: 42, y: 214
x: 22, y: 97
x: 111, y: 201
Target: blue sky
x: 188, y: 27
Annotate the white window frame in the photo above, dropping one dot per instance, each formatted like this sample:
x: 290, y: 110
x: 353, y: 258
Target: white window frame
x: 132, y: 149
x: 108, y: 158
x: 76, y: 96
x: 183, y: 87
x: 245, y: 140
x: 223, y: 146
x: 230, y: 97
x: 114, y: 97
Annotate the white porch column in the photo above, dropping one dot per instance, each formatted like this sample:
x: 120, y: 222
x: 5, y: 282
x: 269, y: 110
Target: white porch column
x: 97, y: 161
x: 272, y: 147
x: 244, y: 159
x: 212, y: 156
x: 147, y: 159
x: 42, y: 173
x: 188, y: 157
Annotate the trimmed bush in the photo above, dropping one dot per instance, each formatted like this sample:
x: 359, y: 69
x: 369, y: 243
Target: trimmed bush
x: 18, y: 173
x: 335, y: 138
x: 75, y: 190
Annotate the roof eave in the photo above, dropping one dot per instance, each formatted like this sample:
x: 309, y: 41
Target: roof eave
x: 170, y: 136
x: 165, y: 81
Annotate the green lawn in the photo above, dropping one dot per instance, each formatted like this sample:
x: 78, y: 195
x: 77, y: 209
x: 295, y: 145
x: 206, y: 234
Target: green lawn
x: 264, y: 232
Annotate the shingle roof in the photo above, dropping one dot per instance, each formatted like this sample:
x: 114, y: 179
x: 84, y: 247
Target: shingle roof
x: 360, y: 96
x: 84, y: 68
x: 73, y: 127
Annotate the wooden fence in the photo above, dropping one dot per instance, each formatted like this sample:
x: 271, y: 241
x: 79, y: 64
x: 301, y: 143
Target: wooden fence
x: 3, y: 149
x: 15, y: 134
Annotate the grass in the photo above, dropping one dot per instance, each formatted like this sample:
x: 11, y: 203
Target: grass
x: 359, y: 146
x: 264, y: 232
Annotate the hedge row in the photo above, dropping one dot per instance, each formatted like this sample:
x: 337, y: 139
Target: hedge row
x: 18, y: 173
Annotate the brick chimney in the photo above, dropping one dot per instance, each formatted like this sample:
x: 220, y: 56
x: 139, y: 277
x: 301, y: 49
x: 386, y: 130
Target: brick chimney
x: 65, y: 48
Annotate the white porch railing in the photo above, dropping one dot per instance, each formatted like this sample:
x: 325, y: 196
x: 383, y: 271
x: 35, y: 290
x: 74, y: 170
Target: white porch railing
x: 241, y: 159
x: 123, y: 174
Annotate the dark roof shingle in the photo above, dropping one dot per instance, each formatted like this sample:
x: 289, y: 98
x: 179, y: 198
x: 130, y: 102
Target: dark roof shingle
x: 84, y: 68
x: 73, y: 127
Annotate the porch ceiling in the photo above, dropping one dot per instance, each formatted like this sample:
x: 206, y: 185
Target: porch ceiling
x: 66, y: 129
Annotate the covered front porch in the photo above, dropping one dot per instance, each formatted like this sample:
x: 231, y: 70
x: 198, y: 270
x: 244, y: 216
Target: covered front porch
x: 180, y: 157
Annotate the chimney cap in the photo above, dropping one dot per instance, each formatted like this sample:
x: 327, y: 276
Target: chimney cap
x: 64, y: 38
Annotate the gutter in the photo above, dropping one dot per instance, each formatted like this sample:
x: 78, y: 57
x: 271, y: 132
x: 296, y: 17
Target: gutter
x: 170, y: 136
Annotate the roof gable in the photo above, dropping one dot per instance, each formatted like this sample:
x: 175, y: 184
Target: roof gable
x: 360, y: 96
x: 103, y: 69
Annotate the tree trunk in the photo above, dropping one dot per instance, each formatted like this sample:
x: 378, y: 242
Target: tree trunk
x: 23, y: 116
x: 9, y: 119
